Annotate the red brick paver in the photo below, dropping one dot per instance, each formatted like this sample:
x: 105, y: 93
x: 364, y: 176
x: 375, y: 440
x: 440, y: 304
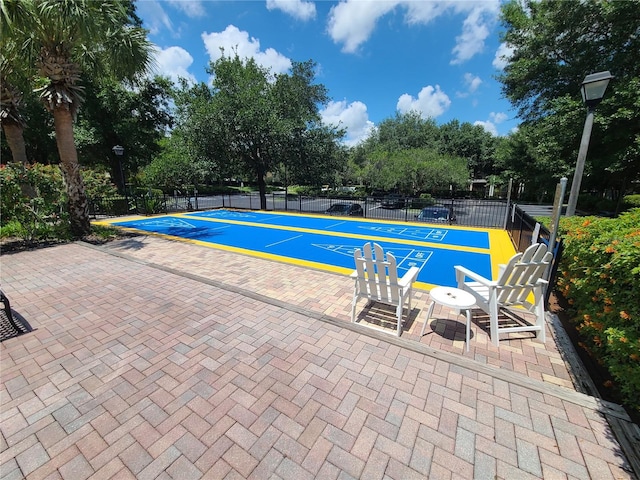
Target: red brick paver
x: 177, y: 361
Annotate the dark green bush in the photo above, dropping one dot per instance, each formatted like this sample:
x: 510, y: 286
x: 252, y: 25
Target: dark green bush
x: 424, y: 200
x: 600, y: 278
x: 308, y: 191
x: 632, y: 201
x: 33, y: 204
x: 34, y: 198
x: 588, y: 203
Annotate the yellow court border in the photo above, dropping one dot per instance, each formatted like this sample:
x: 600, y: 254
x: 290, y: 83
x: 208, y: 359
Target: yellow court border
x: 500, y: 247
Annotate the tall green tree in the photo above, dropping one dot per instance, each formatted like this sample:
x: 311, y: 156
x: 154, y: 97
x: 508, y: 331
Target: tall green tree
x: 263, y: 119
x: 471, y: 142
x: 13, y: 79
x: 114, y: 114
x: 314, y: 157
x: 407, y: 130
x: 414, y: 170
x: 66, y: 38
x: 556, y: 44
x: 196, y: 138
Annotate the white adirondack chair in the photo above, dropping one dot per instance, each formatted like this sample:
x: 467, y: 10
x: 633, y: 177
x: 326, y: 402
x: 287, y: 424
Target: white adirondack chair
x: 376, y: 279
x: 519, y: 279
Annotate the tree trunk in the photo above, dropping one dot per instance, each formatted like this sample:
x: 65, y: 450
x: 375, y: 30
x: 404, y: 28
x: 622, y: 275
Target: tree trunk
x: 15, y: 139
x: 78, y: 206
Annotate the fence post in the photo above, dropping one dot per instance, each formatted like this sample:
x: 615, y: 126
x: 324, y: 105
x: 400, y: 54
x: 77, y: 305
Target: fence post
x: 555, y: 222
x: 506, y: 213
x: 557, y: 212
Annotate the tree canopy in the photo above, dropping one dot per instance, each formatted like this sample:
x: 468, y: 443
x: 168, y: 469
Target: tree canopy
x: 251, y: 122
x: 410, y: 154
x: 62, y: 40
x: 555, y: 45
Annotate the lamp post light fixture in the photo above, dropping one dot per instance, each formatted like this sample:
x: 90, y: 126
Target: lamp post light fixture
x: 119, y: 151
x: 593, y: 88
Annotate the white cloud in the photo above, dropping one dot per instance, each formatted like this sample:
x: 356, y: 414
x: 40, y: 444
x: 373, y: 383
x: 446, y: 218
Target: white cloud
x: 155, y: 18
x: 472, y: 83
x: 421, y: 12
x: 173, y: 62
x: 352, y: 22
x: 352, y: 117
x: 232, y: 39
x: 488, y: 126
x: 191, y: 8
x: 296, y: 8
x: 503, y: 54
x: 475, y: 29
x: 431, y: 102
x: 494, y: 119
x: 498, y: 117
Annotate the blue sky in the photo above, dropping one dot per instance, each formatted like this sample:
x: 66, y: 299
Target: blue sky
x: 376, y: 57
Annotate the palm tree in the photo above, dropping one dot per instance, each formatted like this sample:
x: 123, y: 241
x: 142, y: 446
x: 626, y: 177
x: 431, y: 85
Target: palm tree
x: 13, y: 122
x: 71, y: 38
x: 12, y: 73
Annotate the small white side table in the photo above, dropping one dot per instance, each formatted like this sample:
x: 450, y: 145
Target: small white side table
x: 452, y: 298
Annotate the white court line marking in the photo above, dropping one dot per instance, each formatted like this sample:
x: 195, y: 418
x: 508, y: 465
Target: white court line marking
x: 282, y: 241
x: 334, y: 225
x: 267, y: 220
x: 407, y: 258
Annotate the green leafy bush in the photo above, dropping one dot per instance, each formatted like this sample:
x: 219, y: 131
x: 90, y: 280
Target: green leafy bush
x: 308, y: 191
x: 424, y: 200
x: 600, y: 278
x: 632, y: 201
x: 588, y: 203
x: 97, y: 183
x: 34, y: 198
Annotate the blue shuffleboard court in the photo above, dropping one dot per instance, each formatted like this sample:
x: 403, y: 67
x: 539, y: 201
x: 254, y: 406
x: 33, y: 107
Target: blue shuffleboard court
x: 328, y: 243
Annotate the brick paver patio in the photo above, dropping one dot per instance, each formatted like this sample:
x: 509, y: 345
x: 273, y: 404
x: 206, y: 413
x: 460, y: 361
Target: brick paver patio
x: 156, y: 359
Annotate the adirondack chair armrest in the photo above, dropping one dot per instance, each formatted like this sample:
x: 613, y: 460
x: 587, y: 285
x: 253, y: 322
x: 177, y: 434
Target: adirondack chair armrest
x: 462, y: 273
x: 409, y: 277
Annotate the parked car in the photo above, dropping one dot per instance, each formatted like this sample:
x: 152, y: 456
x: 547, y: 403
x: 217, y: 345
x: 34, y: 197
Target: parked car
x: 437, y: 214
x: 349, y: 209
x: 393, y: 201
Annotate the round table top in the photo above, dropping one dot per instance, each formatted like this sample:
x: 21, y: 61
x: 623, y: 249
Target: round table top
x: 452, y: 297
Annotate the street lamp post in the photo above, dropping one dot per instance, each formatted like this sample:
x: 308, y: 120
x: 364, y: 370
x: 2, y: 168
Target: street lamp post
x: 119, y: 151
x: 593, y: 88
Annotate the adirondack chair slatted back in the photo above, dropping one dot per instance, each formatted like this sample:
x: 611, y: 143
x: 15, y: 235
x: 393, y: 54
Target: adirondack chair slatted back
x: 520, y: 276
x: 519, y: 282
x: 377, y: 275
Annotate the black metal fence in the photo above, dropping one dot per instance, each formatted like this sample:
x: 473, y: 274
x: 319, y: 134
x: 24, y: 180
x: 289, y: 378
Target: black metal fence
x: 463, y: 211
x: 525, y: 230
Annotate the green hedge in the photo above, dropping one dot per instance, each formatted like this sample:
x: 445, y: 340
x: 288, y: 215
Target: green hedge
x: 32, y: 202
x: 600, y: 278
x: 632, y: 201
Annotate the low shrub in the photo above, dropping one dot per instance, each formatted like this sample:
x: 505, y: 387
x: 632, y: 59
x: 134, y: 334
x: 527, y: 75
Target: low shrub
x: 308, y: 191
x: 632, y: 201
x: 34, y: 198
x: 600, y: 278
x: 588, y: 203
x: 425, y: 200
